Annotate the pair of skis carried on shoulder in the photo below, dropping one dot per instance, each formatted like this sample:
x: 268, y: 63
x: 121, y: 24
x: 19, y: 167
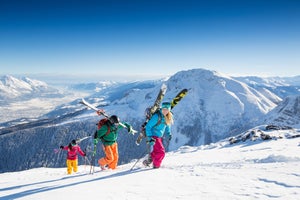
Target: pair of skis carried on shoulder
x: 150, y: 111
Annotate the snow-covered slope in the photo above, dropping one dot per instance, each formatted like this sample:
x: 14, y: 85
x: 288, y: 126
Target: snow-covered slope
x: 92, y: 87
x: 287, y: 113
x: 281, y: 86
x: 246, y: 170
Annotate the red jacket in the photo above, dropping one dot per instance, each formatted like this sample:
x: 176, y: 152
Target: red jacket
x: 72, y: 154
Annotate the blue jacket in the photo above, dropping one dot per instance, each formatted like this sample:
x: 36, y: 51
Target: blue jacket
x: 154, y: 129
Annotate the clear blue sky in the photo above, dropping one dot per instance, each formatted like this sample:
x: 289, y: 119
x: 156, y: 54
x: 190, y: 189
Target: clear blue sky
x: 136, y: 37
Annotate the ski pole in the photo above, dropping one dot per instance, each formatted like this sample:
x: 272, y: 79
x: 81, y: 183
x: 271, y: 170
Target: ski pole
x: 93, y: 160
x: 57, y: 151
x: 141, y: 156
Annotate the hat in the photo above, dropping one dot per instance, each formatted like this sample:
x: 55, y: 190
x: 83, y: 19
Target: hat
x: 73, y: 143
x: 166, y: 105
x: 114, y: 119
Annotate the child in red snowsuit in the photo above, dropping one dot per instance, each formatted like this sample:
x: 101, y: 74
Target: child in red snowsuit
x: 72, y: 158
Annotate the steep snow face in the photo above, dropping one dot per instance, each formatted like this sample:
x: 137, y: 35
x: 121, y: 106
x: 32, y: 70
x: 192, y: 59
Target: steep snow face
x: 216, y: 106
x: 287, y: 113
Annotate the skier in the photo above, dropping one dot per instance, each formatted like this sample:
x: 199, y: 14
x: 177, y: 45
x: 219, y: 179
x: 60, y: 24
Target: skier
x: 108, y: 133
x: 157, y: 126
x: 72, y: 158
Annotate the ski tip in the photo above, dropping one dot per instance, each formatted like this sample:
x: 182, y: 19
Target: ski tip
x: 81, y: 101
x: 184, y: 90
x: 164, y: 86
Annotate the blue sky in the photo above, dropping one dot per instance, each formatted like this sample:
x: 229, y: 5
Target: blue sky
x: 141, y: 38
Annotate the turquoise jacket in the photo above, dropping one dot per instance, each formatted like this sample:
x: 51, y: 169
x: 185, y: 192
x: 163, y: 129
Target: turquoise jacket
x: 154, y: 129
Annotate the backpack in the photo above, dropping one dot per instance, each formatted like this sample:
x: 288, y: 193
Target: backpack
x: 100, y: 124
x: 159, y: 117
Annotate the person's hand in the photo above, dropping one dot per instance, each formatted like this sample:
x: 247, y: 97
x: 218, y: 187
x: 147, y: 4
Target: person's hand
x: 61, y: 147
x: 129, y: 128
x: 170, y: 137
x: 100, y: 111
x: 151, y: 141
x: 95, y: 141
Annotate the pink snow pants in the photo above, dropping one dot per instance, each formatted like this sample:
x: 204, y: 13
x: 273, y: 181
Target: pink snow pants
x: 158, y: 152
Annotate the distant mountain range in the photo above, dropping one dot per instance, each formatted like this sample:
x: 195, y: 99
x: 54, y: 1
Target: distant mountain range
x: 12, y: 88
x: 216, y: 106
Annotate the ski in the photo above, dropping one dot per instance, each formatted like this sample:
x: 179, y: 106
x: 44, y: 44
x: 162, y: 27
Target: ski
x: 87, y: 104
x: 151, y: 110
x: 81, y: 139
x: 173, y: 102
x: 159, y: 99
x: 178, y: 98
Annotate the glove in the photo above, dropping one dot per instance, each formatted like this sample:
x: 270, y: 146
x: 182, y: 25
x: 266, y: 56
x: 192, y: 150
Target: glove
x: 95, y: 134
x: 100, y: 111
x: 170, y: 137
x: 151, y: 141
x: 129, y: 128
x: 95, y: 141
x: 61, y: 147
x: 84, y: 154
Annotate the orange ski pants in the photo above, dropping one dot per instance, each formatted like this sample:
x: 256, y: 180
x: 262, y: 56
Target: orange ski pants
x: 111, y: 156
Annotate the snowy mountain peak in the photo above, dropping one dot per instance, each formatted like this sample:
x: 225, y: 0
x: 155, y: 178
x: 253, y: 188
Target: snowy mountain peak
x: 12, y: 87
x: 11, y: 82
x: 35, y: 83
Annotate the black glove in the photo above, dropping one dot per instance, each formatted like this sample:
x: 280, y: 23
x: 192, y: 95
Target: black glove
x: 170, y: 137
x: 84, y: 154
x: 151, y: 141
x: 61, y: 147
